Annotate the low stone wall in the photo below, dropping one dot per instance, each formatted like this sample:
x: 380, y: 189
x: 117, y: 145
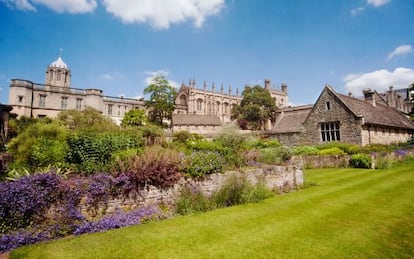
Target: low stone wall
x: 318, y: 161
x: 278, y: 178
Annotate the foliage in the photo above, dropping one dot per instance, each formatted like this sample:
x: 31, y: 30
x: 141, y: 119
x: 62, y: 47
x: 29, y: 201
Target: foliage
x: 161, y: 103
x: 384, y: 162
x: 192, y: 200
x: 345, y: 147
x: 360, y: 161
x: 333, y: 151
x: 238, y: 190
x: 31, y: 146
x: 274, y: 155
x: 152, y: 134
x: 229, y: 137
x: 200, y: 163
x: 93, y: 151
x: 89, y: 120
x: 256, y: 107
x: 156, y: 166
x: 135, y: 117
x: 305, y: 150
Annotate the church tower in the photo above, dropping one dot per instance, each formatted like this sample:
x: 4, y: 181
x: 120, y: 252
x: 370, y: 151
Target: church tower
x: 58, y: 73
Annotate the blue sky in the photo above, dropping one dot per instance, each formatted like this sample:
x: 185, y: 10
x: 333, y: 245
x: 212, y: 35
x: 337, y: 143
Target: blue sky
x: 118, y: 46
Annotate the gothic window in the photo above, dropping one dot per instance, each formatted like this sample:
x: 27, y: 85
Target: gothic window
x: 51, y: 74
x: 199, y: 104
x: 42, y: 100
x: 119, y: 110
x: 64, y: 102
x: 183, y: 100
x: 58, y: 75
x: 226, y: 108
x: 330, y: 131
x: 78, y: 104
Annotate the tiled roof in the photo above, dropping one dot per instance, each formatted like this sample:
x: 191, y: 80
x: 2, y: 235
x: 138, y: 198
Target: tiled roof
x: 377, y: 115
x: 290, y: 119
x: 195, y: 119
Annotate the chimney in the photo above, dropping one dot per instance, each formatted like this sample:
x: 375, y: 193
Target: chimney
x: 350, y: 94
x: 369, y: 96
x: 267, y: 84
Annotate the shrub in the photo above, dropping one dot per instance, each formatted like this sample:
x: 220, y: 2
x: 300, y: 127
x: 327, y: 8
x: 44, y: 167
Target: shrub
x: 383, y: 162
x: 360, y: 161
x: 230, y: 137
x: 334, y: 151
x: 199, y: 163
x: 305, y: 150
x: 274, y: 155
x: 156, y: 166
x: 192, y: 200
x: 345, y: 147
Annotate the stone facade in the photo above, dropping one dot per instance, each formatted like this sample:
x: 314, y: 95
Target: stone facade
x: 191, y: 100
x: 56, y: 95
x: 337, y: 117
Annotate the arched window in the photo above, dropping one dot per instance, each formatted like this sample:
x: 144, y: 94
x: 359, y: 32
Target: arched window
x: 183, y: 100
x: 199, y: 104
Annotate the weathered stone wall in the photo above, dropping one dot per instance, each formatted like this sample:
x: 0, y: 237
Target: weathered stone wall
x: 350, y: 127
x: 318, y: 161
x: 275, y: 178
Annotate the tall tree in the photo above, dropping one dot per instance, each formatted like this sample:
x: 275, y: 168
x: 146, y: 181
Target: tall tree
x: 256, y: 107
x: 162, y: 100
x: 134, y: 117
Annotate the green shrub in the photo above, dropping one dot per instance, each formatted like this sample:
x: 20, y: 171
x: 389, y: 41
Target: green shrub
x: 333, y: 151
x: 384, y: 162
x: 305, y: 150
x: 375, y: 148
x: 199, y: 163
x: 345, y: 147
x: 192, y: 200
x: 48, y: 152
x: 234, y: 191
x: 230, y: 137
x: 274, y: 155
x: 360, y: 161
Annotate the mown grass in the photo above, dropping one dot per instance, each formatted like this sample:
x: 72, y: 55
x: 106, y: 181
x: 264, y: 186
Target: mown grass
x: 355, y: 213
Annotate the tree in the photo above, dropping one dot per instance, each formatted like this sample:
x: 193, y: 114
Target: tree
x: 135, y: 117
x: 162, y: 100
x: 411, y: 98
x: 87, y: 120
x: 256, y: 107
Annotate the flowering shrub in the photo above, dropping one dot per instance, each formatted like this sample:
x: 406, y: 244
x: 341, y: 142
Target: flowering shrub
x: 199, y: 163
x: 274, y: 155
x: 305, y: 150
x: 333, y: 151
x: 26, y: 201
x: 117, y: 220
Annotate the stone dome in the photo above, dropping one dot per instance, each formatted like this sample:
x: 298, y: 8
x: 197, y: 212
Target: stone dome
x: 59, y: 63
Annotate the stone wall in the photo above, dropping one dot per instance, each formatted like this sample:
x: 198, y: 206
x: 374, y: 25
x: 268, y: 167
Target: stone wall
x: 318, y: 161
x: 275, y: 177
x: 329, y: 109
x: 384, y: 135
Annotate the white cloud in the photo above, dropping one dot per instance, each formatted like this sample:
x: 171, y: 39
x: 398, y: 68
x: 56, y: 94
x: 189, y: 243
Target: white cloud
x: 357, y: 11
x: 379, y: 80
x: 162, y: 13
x: 60, y: 6
x: 377, y: 3
x: 164, y: 73
x: 108, y: 77
x: 400, y: 51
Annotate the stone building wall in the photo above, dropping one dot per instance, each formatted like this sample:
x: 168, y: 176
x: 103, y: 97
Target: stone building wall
x: 329, y: 109
x: 384, y: 135
x: 275, y: 177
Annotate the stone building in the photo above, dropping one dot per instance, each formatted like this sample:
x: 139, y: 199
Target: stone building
x: 206, y: 110
x: 56, y: 95
x: 337, y: 117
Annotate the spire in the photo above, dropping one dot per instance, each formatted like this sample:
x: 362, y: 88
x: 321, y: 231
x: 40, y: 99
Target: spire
x: 60, y: 52
x: 229, y: 89
x: 213, y: 88
x: 205, y: 85
x: 222, y: 88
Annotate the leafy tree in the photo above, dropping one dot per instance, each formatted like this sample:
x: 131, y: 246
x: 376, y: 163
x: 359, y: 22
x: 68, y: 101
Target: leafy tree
x: 256, y: 107
x: 162, y: 100
x: 135, y: 117
x: 87, y: 120
x: 411, y: 97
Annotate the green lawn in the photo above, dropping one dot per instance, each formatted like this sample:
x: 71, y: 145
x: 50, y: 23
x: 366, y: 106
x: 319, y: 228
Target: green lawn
x: 349, y: 213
